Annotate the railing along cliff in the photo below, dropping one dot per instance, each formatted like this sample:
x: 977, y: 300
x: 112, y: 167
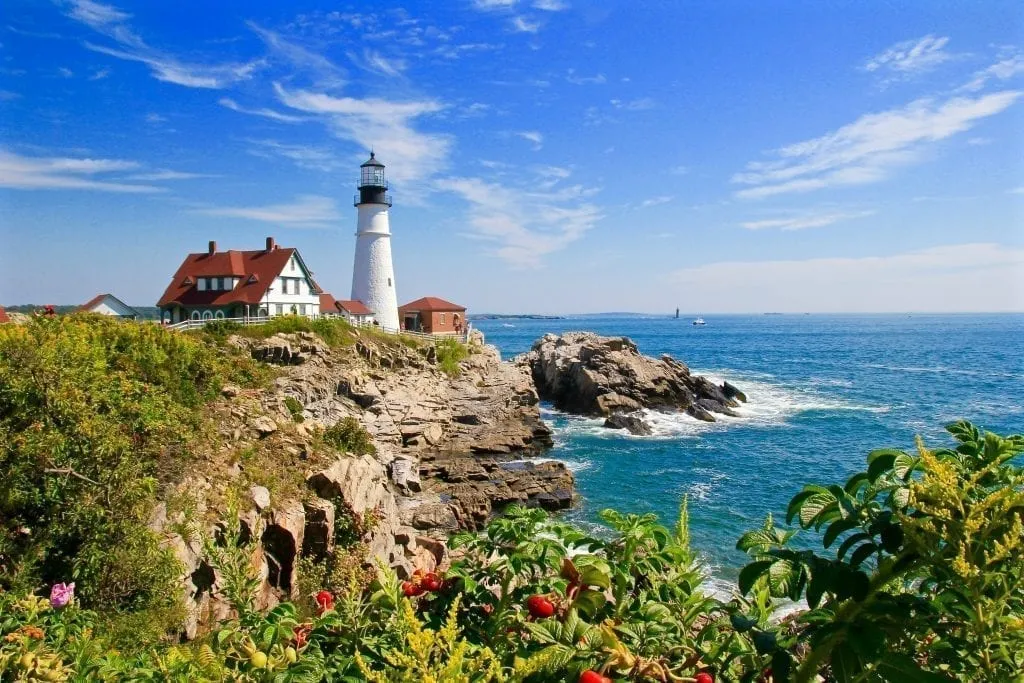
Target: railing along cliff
x: 189, y: 325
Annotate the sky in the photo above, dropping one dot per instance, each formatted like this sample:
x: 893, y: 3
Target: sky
x: 545, y: 156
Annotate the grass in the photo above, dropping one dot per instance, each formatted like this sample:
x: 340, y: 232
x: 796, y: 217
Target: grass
x: 294, y: 407
x: 450, y: 352
x: 349, y: 436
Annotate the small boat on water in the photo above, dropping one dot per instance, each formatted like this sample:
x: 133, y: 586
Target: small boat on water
x: 699, y: 321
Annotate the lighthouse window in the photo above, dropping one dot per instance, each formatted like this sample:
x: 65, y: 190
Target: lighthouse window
x: 389, y: 282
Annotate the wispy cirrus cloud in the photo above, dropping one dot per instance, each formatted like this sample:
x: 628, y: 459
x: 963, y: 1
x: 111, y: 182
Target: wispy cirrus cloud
x: 911, y: 56
x: 804, y: 221
x: 521, y: 24
x: 303, y: 59
x: 384, y: 125
x: 99, y: 75
x: 304, y: 156
x: 112, y: 23
x: 534, y: 136
x: 265, y: 112
x: 655, y: 201
x: 866, y: 150
x: 639, y: 104
x: 66, y: 173
x: 378, y: 63
x: 168, y: 175
x: 1007, y: 67
x: 524, y: 225
x: 306, y: 211
x: 576, y: 79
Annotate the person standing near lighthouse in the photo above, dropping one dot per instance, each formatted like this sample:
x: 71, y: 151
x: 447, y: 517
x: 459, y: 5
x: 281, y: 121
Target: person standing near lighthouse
x: 373, y: 275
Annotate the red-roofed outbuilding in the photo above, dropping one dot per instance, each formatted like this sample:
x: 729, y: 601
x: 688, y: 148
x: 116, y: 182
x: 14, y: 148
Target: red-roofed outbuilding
x: 3, y: 316
x: 353, y: 311
x: 432, y: 315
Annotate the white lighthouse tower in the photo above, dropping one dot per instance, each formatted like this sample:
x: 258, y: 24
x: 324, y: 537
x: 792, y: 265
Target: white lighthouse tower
x: 373, y: 275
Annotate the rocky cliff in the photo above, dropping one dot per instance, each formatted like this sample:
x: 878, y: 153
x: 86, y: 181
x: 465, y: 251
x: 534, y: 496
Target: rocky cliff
x: 447, y: 453
x: 587, y: 374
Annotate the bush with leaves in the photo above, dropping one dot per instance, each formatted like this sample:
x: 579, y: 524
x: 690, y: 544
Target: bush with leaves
x: 927, y: 581
x: 349, y: 436
x: 96, y: 413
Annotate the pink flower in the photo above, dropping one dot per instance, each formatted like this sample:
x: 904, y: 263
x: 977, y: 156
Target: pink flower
x: 61, y: 594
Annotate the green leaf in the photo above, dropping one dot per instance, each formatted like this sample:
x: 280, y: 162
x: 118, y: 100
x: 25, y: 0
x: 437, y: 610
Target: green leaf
x: 783, y: 576
x: 742, y: 624
x: 592, y: 576
x: 862, y: 553
x: 881, y: 462
x: 751, y: 573
x: 846, y: 665
x: 850, y: 542
x: 814, y: 505
x: 798, y: 500
x: 897, y: 668
x: 904, y: 465
x: 589, y: 601
x: 837, y: 528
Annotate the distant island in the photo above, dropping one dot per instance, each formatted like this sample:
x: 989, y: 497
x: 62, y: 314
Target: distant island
x: 519, y: 316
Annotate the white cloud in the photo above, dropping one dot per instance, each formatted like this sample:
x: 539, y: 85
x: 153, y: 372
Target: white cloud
x: 168, y: 175
x: 522, y: 25
x: 65, y: 72
x: 551, y: 5
x: 113, y: 23
x: 911, y: 56
x: 864, y: 151
x: 100, y: 75
x: 63, y: 173
x: 155, y: 118
x: 963, y: 277
x: 532, y: 136
x: 655, y: 201
x: 640, y: 104
x: 383, y: 125
x: 979, y: 141
x: 262, y: 111
x: 8, y: 95
x: 679, y: 170
x: 803, y: 222
x: 306, y: 211
x: 1017, y: 190
x: 585, y: 80
x: 494, y: 4
x: 381, y: 64
x: 324, y: 73
x: 524, y: 225
x: 1002, y: 70
x: 304, y: 156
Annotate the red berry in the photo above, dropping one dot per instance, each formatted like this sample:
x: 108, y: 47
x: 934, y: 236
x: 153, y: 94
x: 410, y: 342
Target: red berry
x: 704, y: 677
x: 324, y: 601
x: 591, y: 676
x: 431, y: 582
x: 540, y: 607
x: 410, y: 589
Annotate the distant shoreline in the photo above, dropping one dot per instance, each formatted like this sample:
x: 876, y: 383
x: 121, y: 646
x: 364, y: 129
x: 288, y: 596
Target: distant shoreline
x: 520, y: 316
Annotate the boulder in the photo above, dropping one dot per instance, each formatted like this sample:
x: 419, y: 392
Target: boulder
x: 631, y: 423
x: 587, y: 374
x: 264, y: 425
x: 260, y: 497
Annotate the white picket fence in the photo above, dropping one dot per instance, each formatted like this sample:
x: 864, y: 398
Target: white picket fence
x: 188, y: 325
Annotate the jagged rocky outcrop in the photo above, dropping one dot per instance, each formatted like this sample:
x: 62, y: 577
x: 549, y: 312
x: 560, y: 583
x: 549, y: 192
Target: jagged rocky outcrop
x: 587, y: 374
x: 450, y: 453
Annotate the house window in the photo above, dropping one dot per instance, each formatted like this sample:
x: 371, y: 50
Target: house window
x: 195, y: 315
x: 218, y: 314
x: 280, y: 309
x: 293, y: 265
x: 442, y: 318
x: 202, y: 284
x: 302, y: 309
x: 207, y: 315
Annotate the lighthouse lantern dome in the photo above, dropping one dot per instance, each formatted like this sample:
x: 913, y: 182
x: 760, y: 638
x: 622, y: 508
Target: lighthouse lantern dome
x: 371, y: 173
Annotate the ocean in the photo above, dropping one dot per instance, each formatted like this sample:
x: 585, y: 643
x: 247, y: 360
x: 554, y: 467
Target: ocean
x: 823, y: 391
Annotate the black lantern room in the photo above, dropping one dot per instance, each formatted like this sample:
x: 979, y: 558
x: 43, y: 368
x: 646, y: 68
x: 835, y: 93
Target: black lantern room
x: 373, y: 186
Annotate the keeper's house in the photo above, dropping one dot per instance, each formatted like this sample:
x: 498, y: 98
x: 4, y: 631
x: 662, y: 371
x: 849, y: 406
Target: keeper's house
x: 240, y: 284
x: 432, y: 315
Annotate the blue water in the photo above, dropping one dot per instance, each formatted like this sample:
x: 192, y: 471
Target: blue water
x: 823, y: 390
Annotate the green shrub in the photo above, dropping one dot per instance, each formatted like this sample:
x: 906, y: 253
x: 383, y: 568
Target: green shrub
x: 450, y: 352
x: 294, y: 407
x: 336, y: 332
x: 349, y: 436
x: 95, y: 414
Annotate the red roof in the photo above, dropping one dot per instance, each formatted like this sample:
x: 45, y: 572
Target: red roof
x: 328, y: 304
x: 430, y: 303
x: 353, y: 307
x: 3, y: 316
x: 257, y: 270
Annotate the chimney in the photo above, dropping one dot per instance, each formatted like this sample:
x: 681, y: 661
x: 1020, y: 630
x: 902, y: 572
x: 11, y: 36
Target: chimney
x: 270, y: 244
x: 213, y: 248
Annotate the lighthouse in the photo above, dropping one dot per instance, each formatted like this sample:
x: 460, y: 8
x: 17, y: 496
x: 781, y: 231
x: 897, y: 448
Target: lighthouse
x: 373, y: 275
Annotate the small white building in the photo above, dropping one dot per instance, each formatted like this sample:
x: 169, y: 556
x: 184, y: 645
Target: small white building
x: 215, y: 284
x: 108, y: 304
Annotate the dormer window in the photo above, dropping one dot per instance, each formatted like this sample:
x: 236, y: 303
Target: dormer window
x: 253, y: 279
x: 202, y: 284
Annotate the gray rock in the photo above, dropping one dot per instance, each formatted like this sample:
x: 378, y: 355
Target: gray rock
x: 260, y: 497
x: 631, y: 423
x: 264, y: 425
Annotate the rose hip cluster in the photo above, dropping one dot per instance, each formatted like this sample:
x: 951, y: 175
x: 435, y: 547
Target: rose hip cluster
x: 422, y: 582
